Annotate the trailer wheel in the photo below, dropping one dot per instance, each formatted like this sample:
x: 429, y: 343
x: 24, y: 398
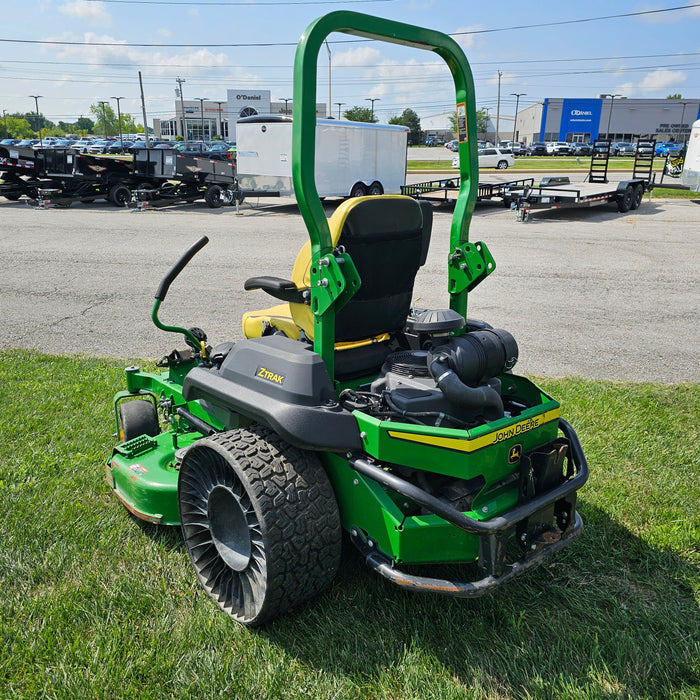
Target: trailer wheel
x: 376, y: 188
x: 624, y: 203
x: 260, y: 522
x: 637, y: 196
x: 358, y: 190
x: 214, y: 196
x: 502, y: 165
x: 119, y: 195
x: 136, y: 418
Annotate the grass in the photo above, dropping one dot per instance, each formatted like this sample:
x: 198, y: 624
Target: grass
x: 96, y: 604
x: 532, y: 163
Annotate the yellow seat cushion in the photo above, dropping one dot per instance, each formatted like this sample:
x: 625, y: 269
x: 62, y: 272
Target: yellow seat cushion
x: 279, y: 317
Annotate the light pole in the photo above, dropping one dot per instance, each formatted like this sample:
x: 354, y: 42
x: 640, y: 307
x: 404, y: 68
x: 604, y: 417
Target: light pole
x: 201, y: 112
x: 38, y: 118
x: 286, y: 100
x: 372, y: 100
x: 340, y: 104
x: 518, y: 95
x: 328, y: 48
x: 104, y: 116
x: 612, y: 100
x: 119, y: 119
x: 221, y: 121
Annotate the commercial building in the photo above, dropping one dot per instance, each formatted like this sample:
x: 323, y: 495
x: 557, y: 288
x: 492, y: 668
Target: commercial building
x: 204, y: 120
x: 607, y: 117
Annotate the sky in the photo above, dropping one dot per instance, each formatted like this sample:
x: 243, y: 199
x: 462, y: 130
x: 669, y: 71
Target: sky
x: 74, y: 53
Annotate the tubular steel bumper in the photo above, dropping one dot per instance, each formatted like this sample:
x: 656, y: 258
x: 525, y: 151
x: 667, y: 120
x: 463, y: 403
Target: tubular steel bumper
x: 492, y: 534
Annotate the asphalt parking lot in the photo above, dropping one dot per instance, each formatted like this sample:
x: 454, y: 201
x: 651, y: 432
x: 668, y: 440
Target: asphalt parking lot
x: 590, y: 292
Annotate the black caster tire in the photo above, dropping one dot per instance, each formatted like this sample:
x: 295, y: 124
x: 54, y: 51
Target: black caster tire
x: 260, y: 522
x: 136, y: 418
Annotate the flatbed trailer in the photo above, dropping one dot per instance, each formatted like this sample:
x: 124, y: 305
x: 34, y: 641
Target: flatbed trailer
x: 446, y: 189
x: 559, y: 193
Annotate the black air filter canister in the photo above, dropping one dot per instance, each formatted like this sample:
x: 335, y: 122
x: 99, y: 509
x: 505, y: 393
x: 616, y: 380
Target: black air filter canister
x: 478, y: 356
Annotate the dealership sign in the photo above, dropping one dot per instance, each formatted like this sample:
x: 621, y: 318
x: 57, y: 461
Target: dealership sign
x: 580, y: 116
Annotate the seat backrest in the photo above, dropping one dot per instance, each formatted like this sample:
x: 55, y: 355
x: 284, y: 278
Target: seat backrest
x: 388, y: 238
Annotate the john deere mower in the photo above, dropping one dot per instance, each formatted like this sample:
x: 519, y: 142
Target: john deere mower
x: 346, y: 411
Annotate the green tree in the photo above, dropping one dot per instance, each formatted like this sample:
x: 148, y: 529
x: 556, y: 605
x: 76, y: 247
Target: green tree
x: 482, y: 121
x: 84, y: 124
x: 674, y: 96
x: 17, y: 128
x: 360, y: 114
x: 31, y: 118
x: 410, y: 119
x: 105, y: 121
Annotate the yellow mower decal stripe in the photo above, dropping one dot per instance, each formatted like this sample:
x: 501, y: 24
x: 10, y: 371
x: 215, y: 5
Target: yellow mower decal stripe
x: 492, y: 438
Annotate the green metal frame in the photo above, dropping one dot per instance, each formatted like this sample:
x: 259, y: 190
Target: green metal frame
x: 468, y: 263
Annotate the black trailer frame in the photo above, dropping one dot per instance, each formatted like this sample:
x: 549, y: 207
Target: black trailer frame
x: 446, y: 189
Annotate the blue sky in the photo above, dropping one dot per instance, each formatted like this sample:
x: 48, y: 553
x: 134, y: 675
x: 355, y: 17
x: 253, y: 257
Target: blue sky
x: 649, y: 55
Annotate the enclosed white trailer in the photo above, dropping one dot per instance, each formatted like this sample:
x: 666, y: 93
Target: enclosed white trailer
x: 352, y: 158
x: 690, y: 177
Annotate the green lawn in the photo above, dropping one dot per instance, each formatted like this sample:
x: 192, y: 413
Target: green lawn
x: 94, y: 604
x: 533, y: 163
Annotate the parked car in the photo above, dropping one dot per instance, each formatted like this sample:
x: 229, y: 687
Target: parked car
x: 99, y: 147
x: 116, y: 147
x: 558, y: 148
x: 24, y: 143
x: 621, y: 148
x: 163, y: 145
x: 199, y: 149
x: 9, y: 142
x: 537, y: 148
x: 219, y: 148
x: 81, y: 146
x: 644, y: 148
x: 452, y: 145
x: 667, y: 149
x: 498, y: 158
x: 581, y: 149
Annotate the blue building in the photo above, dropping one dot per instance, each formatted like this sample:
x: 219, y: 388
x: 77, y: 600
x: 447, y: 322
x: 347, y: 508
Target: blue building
x: 616, y: 118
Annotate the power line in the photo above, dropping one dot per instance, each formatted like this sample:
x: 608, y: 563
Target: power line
x: 52, y: 42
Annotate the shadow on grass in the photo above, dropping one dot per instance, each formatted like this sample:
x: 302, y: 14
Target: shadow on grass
x: 610, y: 615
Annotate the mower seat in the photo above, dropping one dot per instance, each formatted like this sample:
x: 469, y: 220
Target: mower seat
x: 387, y: 237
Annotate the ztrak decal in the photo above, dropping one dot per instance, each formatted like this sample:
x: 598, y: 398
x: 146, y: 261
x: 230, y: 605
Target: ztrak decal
x: 269, y: 376
x: 474, y: 444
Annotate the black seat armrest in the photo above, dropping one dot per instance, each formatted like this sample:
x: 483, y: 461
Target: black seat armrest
x: 285, y: 290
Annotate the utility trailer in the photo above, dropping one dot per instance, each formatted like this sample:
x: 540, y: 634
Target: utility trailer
x: 558, y: 192
x: 20, y: 176
x: 182, y: 178
x: 353, y: 159
x: 447, y: 189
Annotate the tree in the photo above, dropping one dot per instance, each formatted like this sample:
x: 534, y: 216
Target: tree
x: 105, y: 121
x: 84, y: 124
x: 31, y: 117
x: 410, y: 119
x: 482, y: 121
x: 17, y: 128
x: 674, y: 96
x: 360, y: 114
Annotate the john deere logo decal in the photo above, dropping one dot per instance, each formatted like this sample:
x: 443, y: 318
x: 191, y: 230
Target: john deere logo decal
x: 269, y: 376
x: 515, y: 453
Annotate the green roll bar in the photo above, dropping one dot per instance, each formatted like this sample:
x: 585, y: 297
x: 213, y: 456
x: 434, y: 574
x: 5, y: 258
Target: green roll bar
x: 468, y: 264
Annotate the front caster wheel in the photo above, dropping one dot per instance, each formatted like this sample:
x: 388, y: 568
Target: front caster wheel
x: 260, y: 522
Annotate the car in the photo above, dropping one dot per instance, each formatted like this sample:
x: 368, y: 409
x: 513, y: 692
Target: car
x: 621, y: 148
x: 118, y: 148
x: 163, y: 145
x: 452, y: 145
x: 558, y: 148
x: 430, y: 141
x: 99, y: 147
x: 499, y: 158
x: 9, y: 142
x: 81, y: 146
x: 537, y: 148
x: 644, y: 148
x: 667, y: 149
x: 25, y: 143
x: 199, y: 149
x: 581, y: 149
x: 219, y: 147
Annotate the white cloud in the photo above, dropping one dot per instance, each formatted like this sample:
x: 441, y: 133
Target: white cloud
x: 87, y: 11
x: 662, y: 79
x: 666, y: 17
x: 467, y: 41
x: 363, y: 56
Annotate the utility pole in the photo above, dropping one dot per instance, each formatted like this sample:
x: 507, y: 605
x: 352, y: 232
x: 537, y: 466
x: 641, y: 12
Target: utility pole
x: 286, y: 100
x: 221, y: 121
x: 201, y: 113
x: 340, y: 104
x: 518, y: 95
x: 119, y: 119
x: 4, y: 116
x: 104, y: 116
x: 612, y: 101
x: 373, y: 100
x: 179, y: 81
x: 143, y: 110
x: 498, y: 107
x: 329, y: 80
x: 38, y: 118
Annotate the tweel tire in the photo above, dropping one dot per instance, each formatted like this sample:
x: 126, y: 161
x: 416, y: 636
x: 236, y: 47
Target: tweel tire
x: 260, y: 522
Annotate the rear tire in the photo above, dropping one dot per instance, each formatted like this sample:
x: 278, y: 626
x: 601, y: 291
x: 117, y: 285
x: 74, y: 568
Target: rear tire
x: 502, y: 165
x: 214, y: 196
x: 624, y: 203
x: 358, y: 190
x: 119, y: 195
x: 375, y: 189
x: 637, y: 197
x: 136, y: 418
x: 260, y: 522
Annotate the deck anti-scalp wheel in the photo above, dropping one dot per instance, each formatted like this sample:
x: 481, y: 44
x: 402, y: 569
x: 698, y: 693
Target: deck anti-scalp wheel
x: 260, y: 522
